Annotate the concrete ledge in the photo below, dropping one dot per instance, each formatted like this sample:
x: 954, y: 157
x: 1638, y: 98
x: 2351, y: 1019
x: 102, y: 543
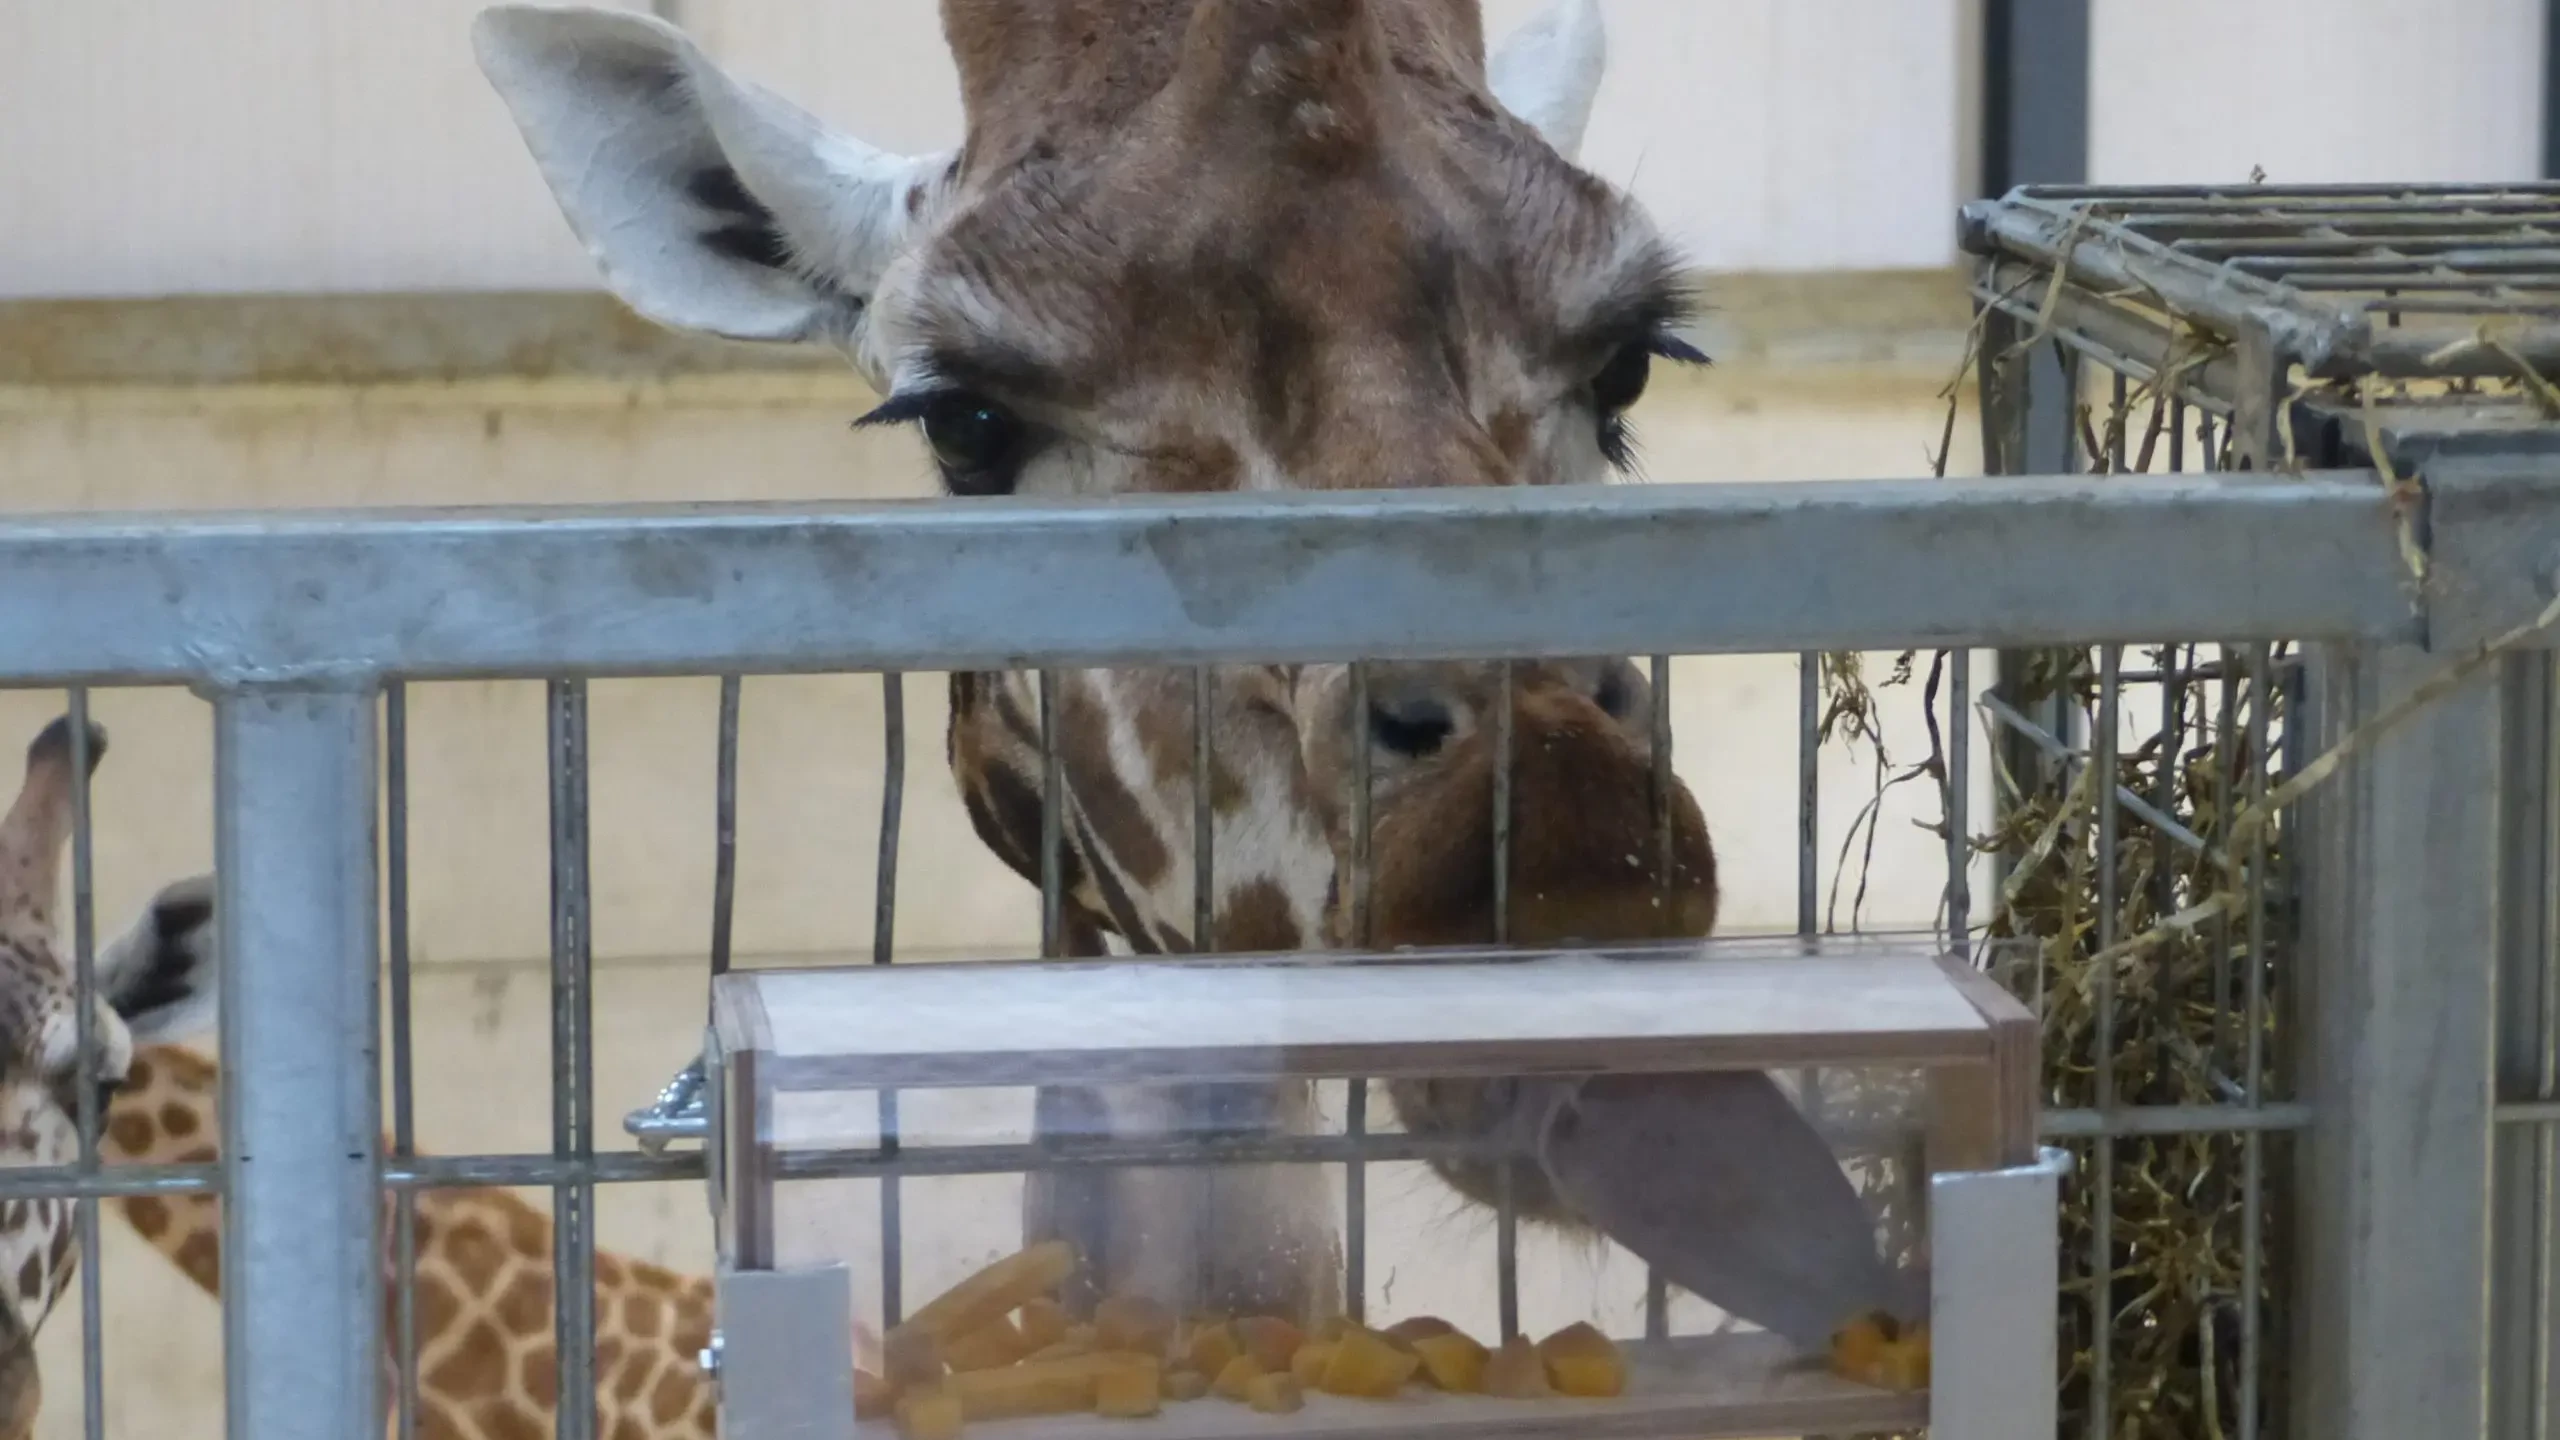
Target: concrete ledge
x: 1898, y: 322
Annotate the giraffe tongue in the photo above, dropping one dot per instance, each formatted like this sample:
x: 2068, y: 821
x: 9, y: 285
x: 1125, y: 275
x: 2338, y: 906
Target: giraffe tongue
x: 1719, y: 1182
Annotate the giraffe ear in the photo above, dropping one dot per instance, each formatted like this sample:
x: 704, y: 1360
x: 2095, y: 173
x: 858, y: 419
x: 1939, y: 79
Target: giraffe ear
x: 709, y: 204
x: 1548, y: 72
x: 160, y: 975
x: 38, y: 823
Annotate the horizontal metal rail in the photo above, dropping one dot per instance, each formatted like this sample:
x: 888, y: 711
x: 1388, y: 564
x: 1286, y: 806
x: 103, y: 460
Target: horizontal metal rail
x: 312, y: 597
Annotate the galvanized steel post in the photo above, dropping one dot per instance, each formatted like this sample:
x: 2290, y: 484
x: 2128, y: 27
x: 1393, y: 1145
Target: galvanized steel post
x: 2399, y: 883
x: 294, y: 848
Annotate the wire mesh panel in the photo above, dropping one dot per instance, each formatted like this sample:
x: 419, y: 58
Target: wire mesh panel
x: 2142, y: 830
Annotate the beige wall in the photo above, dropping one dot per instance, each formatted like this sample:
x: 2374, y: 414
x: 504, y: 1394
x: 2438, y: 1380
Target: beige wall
x: 316, y: 145
x: 811, y: 777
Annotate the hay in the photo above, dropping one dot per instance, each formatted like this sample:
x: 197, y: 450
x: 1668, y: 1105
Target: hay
x: 2185, y: 974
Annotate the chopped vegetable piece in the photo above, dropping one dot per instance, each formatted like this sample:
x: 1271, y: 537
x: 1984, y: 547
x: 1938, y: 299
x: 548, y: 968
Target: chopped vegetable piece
x: 990, y: 1345
x: 1516, y: 1373
x: 1905, y: 1362
x: 1583, y: 1362
x: 1276, y: 1394
x: 1185, y: 1383
x: 1130, y: 1390
x: 873, y: 1395
x: 929, y: 1415
x: 1857, y: 1348
x: 1365, y: 1364
x: 1236, y: 1379
x: 1211, y: 1347
x: 996, y: 1291
x: 1052, y: 1387
x: 1453, y: 1362
x: 1044, y: 1322
x: 1271, y: 1341
x: 1308, y: 1364
x: 1403, y: 1333
x: 1134, y: 1323
x: 909, y: 1357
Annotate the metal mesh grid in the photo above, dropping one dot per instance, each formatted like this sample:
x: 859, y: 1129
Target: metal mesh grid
x: 2052, y: 730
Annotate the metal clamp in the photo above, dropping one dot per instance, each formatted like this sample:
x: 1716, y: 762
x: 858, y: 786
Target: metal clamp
x: 677, y: 1113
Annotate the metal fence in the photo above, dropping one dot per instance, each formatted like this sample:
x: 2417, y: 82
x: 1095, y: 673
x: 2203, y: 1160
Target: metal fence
x: 2355, y: 978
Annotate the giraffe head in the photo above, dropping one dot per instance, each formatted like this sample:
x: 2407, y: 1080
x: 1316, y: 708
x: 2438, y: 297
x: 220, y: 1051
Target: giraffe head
x: 1198, y: 246
x: 39, y: 1046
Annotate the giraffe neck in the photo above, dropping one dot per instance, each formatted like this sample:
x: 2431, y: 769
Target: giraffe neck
x: 1127, y: 809
x: 484, y: 1289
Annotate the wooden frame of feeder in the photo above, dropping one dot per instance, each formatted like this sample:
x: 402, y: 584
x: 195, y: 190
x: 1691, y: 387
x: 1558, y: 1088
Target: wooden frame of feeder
x: 785, y: 1359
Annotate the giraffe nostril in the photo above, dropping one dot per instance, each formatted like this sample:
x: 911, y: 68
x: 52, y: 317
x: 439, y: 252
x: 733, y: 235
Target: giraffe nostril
x: 1410, y: 728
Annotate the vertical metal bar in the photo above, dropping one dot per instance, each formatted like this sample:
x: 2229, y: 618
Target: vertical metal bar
x: 2542, y: 820
x: 294, y: 796
x: 1204, y: 816
x: 2520, y: 1275
x: 2035, y: 93
x: 2399, y: 901
x: 572, y: 1061
x: 884, y: 940
x: 84, y: 995
x: 1506, y: 1228
x: 1960, y: 801
x: 1657, y: 1287
x: 2253, y: 1094
x: 2117, y: 423
x: 2227, y: 774
x: 2173, y: 713
x: 404, y: 1109
x: 1355, y: 1119
x: 1503, y: 760
x: 1052, y: 823
x: 724, y: 860
x: 2102, y: 1239
x: 2551, y: 90
x: 1808, y: 787
x: 2177, y: 436
x: 1360, y: 806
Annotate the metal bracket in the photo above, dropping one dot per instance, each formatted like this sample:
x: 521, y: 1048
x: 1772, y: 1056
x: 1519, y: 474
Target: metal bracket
x: 677, y: 1113
x: 782, y: 1357
x: 1991, y: 1321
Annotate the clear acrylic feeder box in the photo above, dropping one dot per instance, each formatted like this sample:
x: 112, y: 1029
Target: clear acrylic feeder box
x: 1732, y: 1188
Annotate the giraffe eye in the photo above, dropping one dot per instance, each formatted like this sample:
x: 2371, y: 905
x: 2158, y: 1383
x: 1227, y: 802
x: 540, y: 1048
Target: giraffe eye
x: 1620, y: 383
x: 977, y: 443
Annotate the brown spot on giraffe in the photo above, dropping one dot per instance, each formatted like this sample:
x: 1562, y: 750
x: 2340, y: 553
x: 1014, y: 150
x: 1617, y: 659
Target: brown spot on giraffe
x: 633, y: 1378
x: 524, y: 1306
x: 1256, y: 916
x: 542, y: 1377
x: 507, y: 1420
x: 149, y: 1214
x: 671, y: 1398
x: 199, y: 1257
x: 437, y: 1306
x: 477, y: 1364
x: 129, y: 1130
